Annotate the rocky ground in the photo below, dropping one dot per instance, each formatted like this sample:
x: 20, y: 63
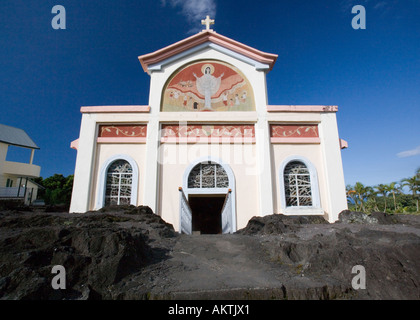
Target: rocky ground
x: 131, y: 253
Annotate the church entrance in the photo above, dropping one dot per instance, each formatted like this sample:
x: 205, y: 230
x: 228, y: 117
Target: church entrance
x: 207, y: 201
x: 207, y: 213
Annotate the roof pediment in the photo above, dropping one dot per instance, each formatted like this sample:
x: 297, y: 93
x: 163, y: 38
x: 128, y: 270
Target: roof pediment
x: 207, y: 38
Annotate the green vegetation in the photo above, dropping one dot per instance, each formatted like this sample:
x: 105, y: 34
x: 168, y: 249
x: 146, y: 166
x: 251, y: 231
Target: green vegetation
x: 57, y: 189
x: 386, y: 197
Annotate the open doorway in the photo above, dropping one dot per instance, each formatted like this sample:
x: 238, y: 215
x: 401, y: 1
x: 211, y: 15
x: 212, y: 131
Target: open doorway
x: 207, y: 198
x: 207, y: 213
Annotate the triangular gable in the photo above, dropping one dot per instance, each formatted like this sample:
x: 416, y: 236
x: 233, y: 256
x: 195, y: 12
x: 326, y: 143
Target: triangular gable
x: 208, y: 38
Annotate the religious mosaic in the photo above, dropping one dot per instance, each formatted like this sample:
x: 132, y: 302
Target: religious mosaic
x: 121, y: 131
x: 208, y: 86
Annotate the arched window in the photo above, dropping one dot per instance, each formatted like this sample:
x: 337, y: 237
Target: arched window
x: 208, y: 175
x: 297, y: 185
x: 119, y: 180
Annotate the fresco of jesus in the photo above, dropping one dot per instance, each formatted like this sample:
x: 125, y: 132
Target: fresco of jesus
x: 208, y: 85
x: 213, y: 85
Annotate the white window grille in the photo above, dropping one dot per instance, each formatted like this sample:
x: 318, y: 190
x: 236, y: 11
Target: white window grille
x: 297, y: 183
x: 208, y: 175
x: 119, y: 183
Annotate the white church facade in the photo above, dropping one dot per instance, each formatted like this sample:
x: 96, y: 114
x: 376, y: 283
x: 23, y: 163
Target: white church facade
x: 208, y: 153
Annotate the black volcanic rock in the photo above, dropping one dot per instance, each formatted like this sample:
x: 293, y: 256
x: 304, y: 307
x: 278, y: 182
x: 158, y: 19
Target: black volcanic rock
x: 129, y: 252
x: 278, y: 224
x: 97, y: 249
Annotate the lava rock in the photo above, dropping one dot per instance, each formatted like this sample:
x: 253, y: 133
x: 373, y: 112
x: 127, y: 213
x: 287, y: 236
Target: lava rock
x: 278, y: 224
x: 348, y: 216
x: 97, y: 249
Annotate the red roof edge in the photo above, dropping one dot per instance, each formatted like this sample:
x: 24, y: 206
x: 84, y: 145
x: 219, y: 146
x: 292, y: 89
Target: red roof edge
x: 202, y: 37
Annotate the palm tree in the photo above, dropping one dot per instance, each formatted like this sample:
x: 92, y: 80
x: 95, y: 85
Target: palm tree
x: 394, y: 188
x: 361, y: 191
x: 351, y: 194
x: 414, y: 186
x: 383, y: 189
x: 371, y: 194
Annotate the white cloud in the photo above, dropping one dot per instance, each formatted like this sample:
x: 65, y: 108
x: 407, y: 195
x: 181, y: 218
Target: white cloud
x: 382, y: 5
x: 194, y: 10
x: 409, y: 153
x: 346, y: 5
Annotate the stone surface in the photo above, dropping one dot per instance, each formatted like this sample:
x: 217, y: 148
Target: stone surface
x: 97, y: 249
x: 131, y: 253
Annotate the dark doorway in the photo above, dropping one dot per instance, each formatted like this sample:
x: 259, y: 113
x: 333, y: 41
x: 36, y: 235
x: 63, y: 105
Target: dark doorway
x: 207, y: 213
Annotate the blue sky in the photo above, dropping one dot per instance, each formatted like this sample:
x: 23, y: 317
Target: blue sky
x: 373, y: 75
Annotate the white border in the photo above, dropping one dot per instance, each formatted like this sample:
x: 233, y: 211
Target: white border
x: 315, y: 209
x: 100, y: 199
x: 204, y: 191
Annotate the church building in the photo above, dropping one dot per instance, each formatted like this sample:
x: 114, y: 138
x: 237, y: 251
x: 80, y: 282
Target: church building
x: 207, y: 153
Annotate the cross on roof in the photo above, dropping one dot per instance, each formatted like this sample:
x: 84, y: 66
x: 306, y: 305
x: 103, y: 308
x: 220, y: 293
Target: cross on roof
x: 207, y: 22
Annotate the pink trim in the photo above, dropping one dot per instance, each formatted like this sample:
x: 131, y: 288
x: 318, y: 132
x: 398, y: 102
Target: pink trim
x: 294, y: 131
x: 343, y: 144
x: 295, y: 140
x: 241, y: 48
x: 216, y: 131
x: 121, y: 140
x: 208, y: 140
x: 302, y: 108
x: 202, y: 37
x: 115, y: 109
x: 74, y: 144
x: 123, y: 131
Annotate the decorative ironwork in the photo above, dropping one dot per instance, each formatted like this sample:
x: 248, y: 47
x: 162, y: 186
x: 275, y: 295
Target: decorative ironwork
x: 222, y: 179
x: 118, y: 183
x: 208, y: 175
x: 297, y: 182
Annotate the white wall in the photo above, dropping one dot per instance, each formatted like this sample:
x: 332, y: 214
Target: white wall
x: 3, y: 154
x: 175, y: 159
x: 81, y: 195
x: 256, y: 193
x: 86, y: 169
x: 312, y: 152
x: 257, y: 80
x: 104, y: 152
x: 331, y: 156
x: 326, y: 158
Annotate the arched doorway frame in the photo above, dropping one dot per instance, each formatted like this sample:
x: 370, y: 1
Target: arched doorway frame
x: 209, y: 191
